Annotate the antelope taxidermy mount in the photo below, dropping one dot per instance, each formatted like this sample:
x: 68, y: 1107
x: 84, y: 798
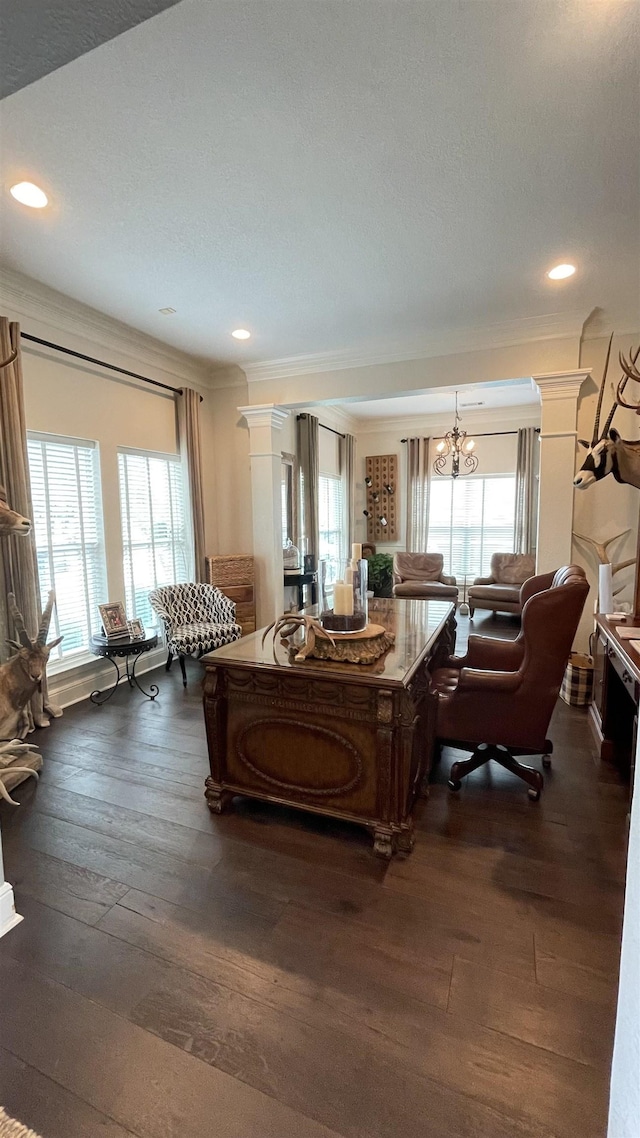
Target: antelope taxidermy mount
x: 608, y: 453
x: 24, y: 672
x: 10, y: 521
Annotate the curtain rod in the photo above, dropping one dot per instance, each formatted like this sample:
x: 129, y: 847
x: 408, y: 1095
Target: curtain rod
x: 324, y: 427
x: 483, y: 434
x: 100, y: 363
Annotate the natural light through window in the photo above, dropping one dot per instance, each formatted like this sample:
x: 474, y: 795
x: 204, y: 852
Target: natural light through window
x: 154, y: 527
x: 67, y: 516
x: 331, y: 522
x: 469, y: 520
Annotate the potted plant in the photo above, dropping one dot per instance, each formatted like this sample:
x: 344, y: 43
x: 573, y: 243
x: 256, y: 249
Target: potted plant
x: 380, y: 574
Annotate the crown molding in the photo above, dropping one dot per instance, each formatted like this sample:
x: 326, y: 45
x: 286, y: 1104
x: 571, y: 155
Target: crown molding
x: 560, y: 384
x: 506, y: 334
x: 32, y: 301
x: 502, y: 418
x: 265, y: 415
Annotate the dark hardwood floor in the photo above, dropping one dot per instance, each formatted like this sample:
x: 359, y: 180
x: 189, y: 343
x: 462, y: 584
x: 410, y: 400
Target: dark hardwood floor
x: 262, y: 975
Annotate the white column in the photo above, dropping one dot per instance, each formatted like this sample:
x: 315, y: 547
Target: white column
x: 265, y: 423
x: 8, y: 916
x: 559, y: 396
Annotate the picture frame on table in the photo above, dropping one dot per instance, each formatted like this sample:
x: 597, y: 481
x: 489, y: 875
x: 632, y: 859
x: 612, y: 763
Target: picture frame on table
x: 136, y: 629
x: 114, y: 619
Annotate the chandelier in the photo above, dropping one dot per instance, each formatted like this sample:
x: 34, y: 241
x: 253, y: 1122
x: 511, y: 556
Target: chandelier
x: 455, y: 446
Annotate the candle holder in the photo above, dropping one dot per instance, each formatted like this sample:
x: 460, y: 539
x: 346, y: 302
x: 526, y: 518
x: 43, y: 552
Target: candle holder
x: 343, y: 601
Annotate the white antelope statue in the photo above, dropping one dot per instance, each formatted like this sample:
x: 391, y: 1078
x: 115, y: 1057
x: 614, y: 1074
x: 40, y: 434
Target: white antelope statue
x: 19, y: 679
x: 608, y: 453
x: 10, y: 521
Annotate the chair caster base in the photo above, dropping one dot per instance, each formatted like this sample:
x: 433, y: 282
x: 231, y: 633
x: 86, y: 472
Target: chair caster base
x: 534, y: 795
x: 455, y: 784
x: 546, y: 762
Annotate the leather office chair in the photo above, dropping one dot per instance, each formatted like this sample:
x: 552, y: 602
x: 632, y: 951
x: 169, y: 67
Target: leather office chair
x: 497, y: 700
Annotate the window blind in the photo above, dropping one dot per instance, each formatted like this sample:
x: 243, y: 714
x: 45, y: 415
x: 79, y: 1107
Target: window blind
x: 469, y: 520
x: 67, y: 518
x: 154, y: 527
x: 331, y: 519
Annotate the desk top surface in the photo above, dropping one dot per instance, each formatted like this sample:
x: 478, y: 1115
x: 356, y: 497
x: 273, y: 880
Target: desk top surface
x: 416, y: 625
x: 622, y: 645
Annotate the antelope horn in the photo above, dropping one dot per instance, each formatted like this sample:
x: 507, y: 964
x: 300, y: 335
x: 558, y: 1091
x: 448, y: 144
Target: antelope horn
x: 18, y: 620
x: 596, y: 421
x: 630, y: 372
x: 45, y: 620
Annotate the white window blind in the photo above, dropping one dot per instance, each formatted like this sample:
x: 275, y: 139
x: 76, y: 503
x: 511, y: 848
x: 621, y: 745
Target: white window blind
x: 331, y: 522
x: 469, y: 519
x: 154, y: 527
x: 67, y: 517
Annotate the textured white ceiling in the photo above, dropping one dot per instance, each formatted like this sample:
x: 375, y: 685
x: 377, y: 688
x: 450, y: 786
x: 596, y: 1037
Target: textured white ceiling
x: 336, y: 174
x: 472, y: 398
x: 39, y: 36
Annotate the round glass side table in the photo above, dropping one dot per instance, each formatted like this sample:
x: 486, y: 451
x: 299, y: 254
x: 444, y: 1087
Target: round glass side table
x: 128, y: 648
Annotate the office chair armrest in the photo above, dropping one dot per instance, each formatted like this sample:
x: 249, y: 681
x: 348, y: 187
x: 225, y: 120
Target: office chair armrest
x: 448, y: 580
x: 484, y: 581
x: 474, y: 679
x: 492, y: 654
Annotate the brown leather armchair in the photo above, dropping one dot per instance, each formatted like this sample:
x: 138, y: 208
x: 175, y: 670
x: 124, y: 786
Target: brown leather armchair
x: 500, y: 591
x: 421, y: 575
x: 497, y: 701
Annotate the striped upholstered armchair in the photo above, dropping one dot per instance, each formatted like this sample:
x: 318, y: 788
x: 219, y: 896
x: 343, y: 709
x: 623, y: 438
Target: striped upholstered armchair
x: 197, y: 618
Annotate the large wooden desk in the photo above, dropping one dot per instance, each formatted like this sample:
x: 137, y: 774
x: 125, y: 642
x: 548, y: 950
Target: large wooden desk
x: 350, y: 741
x: 613, y: 714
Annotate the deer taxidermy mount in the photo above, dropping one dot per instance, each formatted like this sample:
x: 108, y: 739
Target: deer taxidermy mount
x: 608, y: 453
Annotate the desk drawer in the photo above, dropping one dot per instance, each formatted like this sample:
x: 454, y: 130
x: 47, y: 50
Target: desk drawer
x: 619, y: 666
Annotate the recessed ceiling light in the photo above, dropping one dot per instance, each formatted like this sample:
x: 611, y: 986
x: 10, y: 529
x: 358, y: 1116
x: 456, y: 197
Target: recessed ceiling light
x: 241, y: 334
x: 28, y: 194
x: 560, y: 272
x: 167, y: 311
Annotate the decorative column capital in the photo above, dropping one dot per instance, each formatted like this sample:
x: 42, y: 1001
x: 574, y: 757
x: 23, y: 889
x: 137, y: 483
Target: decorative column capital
x: 265, y: 415
x: 560, y: 384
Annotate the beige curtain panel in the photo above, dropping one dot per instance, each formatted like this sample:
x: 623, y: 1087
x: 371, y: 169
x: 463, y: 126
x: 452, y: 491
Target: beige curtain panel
x: 526, y: 516
x: 417, y: 516
x: 347, y: 465
x: 308, y: 471
x: 191, y: 451
x: 19, y: 559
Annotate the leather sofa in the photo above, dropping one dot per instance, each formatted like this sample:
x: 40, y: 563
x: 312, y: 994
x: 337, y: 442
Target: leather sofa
x: 500, y: 592
x: 420, y: 575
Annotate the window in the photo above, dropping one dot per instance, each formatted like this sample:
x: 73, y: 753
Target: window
x: 67, y: 517
x: 154, y: 527
x: 331, y: 522
x: 469, y: 519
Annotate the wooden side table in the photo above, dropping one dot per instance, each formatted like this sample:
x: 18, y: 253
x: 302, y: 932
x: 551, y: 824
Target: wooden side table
x: 126, y: 649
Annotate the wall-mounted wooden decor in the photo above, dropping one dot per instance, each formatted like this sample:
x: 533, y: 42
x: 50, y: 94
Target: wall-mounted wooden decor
x: 381, y: 484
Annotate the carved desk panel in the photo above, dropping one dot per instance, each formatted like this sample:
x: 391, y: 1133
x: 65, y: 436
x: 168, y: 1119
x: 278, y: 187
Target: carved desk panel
x: 346, y: 740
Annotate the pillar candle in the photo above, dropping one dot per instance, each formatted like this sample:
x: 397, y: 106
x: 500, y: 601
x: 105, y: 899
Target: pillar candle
x: 356, y: 551
x: 342, y: 599
x: 348, y: 575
